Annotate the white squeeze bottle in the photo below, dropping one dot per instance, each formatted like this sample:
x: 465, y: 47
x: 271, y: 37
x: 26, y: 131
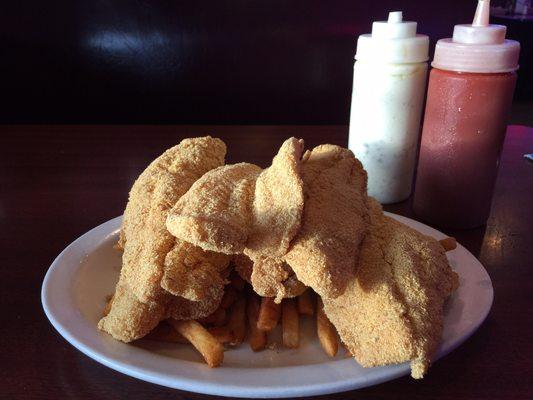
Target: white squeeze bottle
x: 389, y: 82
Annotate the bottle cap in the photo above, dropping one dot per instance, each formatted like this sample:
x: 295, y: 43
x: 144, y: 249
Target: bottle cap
x: 393, y: 41
x: 479, y: 47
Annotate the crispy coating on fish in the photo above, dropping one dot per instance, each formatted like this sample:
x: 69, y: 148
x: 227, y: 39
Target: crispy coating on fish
x: 183, y: 309
x: 324, y: 252
x: 129, y: 318
x: 140, y: 300
x: 243, y: 209
x: 193, y: 273
x: 216, y: 213
x: 278, y: 204
x: 144, y: 236
x: 392, y: 311
x: 277, y: 212
x: 283, y: 284
x: 275, y: 278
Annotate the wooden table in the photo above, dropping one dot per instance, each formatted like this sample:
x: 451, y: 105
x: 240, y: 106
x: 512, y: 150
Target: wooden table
x: 58, y: 182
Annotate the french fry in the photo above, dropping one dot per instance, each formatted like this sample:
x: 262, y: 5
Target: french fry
x: 210, y: 348
x: 217, y: 318
x: 306, y: 303
x: 230, y: 295
x: 290, y: 324
x: 108, y: 305
x: 269, y: 313
x: 221, y: 333
x: 237, y: 282
x: 257, y: 337
x: 166, y: 333
x: 325, y: 330
x: 449, y: 243
x: 237, y: 320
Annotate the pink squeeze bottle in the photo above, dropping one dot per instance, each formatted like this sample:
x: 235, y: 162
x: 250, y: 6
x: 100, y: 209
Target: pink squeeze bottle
x: 469, y: 96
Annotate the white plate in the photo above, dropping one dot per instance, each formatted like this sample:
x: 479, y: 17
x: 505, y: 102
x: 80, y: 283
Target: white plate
x: 80, y: 278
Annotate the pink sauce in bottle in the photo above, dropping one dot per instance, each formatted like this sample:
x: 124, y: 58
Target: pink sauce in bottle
x: 469, y: 95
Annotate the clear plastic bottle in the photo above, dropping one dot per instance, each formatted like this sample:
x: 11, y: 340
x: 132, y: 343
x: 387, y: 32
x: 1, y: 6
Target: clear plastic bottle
x: 469, y: 96
x: 387, y: 99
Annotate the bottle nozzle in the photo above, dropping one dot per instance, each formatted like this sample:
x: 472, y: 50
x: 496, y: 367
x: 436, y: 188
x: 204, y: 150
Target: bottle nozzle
x: 479, y: 47
x: 482, y: 13
x: 395, y: 17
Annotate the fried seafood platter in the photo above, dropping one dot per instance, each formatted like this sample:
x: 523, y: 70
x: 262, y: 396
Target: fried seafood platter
x: 218, y: 255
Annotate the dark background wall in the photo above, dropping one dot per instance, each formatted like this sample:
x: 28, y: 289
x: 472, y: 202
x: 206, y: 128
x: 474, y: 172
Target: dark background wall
x: 247, y: 61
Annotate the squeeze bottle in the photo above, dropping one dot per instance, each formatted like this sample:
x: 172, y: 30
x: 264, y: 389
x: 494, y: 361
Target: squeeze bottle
x: 470, y: 92
x: 389, y: 83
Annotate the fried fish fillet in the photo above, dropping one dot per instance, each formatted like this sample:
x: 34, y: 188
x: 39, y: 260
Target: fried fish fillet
x: 278, y: 281
x: 193, y: 273
x: 129, y: 318
x: 216, y: 213
x: 243, y: 209
x: 324, y: 252
x: 277, y: 212
x: 140, y: 301
x: 144, y: 237
x: 278, y: 204
x: 182, y: 309
x: 392, y: 311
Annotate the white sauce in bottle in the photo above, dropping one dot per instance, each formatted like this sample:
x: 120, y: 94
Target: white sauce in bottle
x: 388, y: 91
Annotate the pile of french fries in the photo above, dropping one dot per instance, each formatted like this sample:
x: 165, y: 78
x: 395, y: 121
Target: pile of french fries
x: 243, y: 315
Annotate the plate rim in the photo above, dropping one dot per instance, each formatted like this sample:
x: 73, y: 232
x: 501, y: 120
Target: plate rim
x: 215, y: 388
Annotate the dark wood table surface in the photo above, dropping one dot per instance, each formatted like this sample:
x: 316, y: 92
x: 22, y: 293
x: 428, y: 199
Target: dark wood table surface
x: 57, y: 182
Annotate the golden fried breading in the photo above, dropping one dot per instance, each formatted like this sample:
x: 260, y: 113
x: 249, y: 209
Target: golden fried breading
x: 128, y: 318
x: 216, y: 213
x: 283, y: 282
x: 278, y: 204
x: 277, y: 211
x: 144, y: 236
x: 324, y: 252
x: 391, y: 311
x: 193, y: 273
x: 274, y: 278
x: 239, y: 208
x: 278, y: 281
x: 183, y: 309
x: 139, y: 300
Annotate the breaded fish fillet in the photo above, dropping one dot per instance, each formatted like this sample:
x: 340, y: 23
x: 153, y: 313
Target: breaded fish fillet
x: 392, y: 311
x: 144, y: 236
x: 129, y: 318
x: 324, y: 252
x: 139, y: 300
x: 243, y: 209
x: 182, y: 309
x: 279, y: 281
x: 216, y: 213
x: 278, y: 204
x: 277, y: 212
x: 193, y: 273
